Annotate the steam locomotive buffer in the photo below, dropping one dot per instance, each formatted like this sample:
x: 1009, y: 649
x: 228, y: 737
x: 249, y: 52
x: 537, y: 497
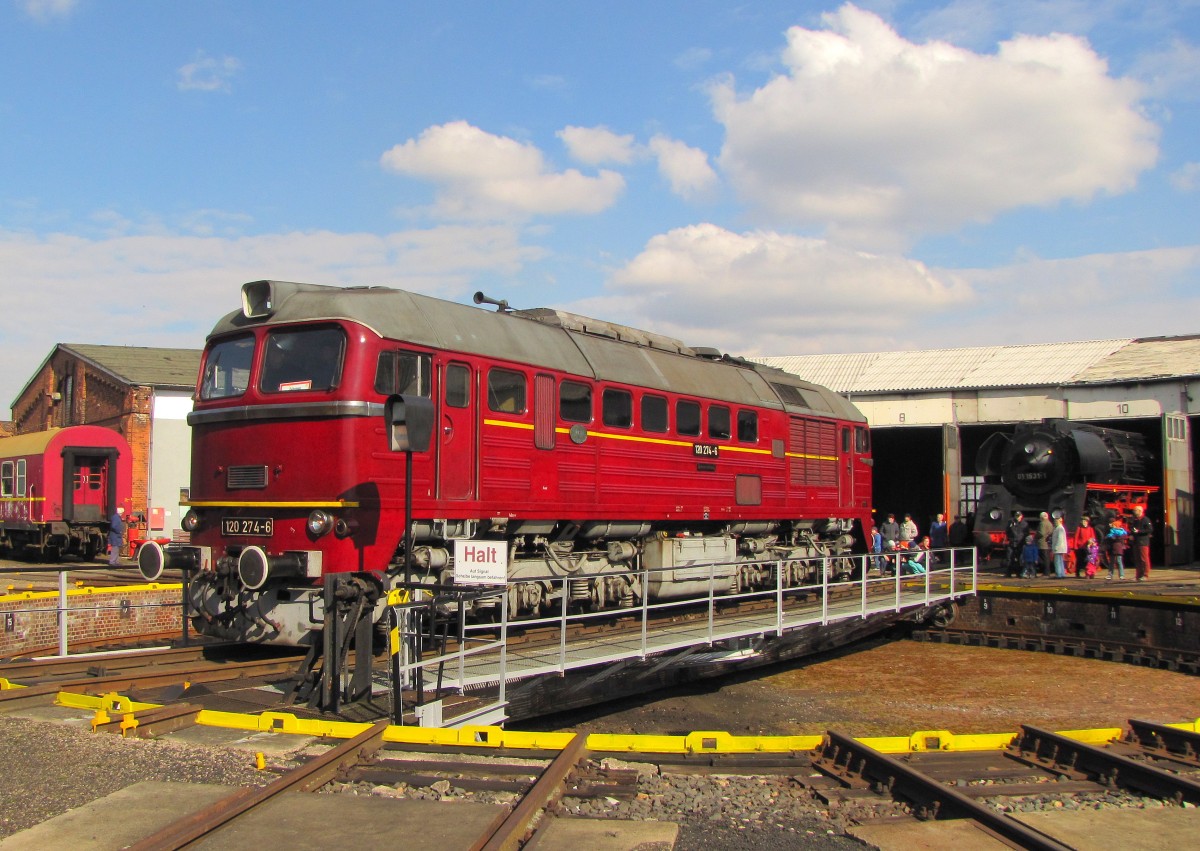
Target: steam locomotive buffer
x: 377, y: 468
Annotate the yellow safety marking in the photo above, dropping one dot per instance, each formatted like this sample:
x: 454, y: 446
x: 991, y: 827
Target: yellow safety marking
x: 398, y: 596
x: 6, y: 684
x: 212, y: 503
x: 1191, y: 726
x: 260, y: 761
x: 22, y: 499
x: 811, y: 457
x: 111, y: 702
x: 77, y: 592
x: 635, y: 438
x: 393, y: 641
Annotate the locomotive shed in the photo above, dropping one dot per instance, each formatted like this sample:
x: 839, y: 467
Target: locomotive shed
x: 931, y: 411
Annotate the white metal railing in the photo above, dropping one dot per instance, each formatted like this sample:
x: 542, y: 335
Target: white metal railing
x: 484, y: 656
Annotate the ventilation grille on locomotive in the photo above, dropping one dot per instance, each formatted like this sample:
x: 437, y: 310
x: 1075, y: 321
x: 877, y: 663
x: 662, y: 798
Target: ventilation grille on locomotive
x: 244, y: 478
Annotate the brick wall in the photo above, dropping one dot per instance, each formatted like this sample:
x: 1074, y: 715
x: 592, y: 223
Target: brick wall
x: 29, y: 622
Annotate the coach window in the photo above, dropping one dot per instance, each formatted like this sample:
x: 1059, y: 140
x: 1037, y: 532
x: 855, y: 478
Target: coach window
x: 403, y: 372
x: 458, y: 386
x: 506, y: 391
x: 718, y: 422
x: 654, y: 414
x: 575, y: 402
x: 300, y: 359
x: 6, y: 478
x: 747, y: 424
x: 20, y: 477
x: 227, y: 368
x: 617, y: 406
x: 687, y: 417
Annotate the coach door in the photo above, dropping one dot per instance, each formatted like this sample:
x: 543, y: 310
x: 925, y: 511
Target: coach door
x: 89, y: 489
x: 457, y: 451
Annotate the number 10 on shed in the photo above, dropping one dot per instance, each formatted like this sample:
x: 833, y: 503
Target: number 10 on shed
x: 480, y: 562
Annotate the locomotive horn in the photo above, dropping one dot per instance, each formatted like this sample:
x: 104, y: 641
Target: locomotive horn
x: 501, y: 304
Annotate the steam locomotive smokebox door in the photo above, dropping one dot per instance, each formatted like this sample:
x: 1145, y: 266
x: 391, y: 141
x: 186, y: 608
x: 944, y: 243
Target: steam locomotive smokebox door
x: 409, y: 423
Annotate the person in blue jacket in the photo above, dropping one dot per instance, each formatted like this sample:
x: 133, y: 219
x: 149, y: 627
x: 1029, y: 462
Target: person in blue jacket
x: 116, y: 536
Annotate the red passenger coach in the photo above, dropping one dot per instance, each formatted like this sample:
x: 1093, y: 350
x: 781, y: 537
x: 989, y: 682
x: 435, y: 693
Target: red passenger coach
x: 59, y: 487
x: 586, y: 448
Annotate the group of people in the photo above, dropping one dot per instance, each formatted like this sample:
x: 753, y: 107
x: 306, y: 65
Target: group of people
x: 1035, y: 550
x: 902, y: 545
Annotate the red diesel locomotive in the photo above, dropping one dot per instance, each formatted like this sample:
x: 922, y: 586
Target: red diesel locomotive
x: 585, y: 448
x: 58, y: 488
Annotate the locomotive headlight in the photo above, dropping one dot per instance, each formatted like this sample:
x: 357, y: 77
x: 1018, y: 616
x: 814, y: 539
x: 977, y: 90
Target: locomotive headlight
x: 191, y: 521
x: 994, y: 514
x: 319, y: 523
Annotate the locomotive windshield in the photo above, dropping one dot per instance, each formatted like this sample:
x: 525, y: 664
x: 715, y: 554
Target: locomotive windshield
x: 227, y: 368
x: 302, y: 359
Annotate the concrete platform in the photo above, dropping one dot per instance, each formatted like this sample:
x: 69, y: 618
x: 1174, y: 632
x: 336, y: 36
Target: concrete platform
x: 582, y: 834
x: 294, y: 821
x: 1165, y: 829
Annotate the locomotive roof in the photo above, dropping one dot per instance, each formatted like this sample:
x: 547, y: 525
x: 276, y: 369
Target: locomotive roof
x: 539, y: 337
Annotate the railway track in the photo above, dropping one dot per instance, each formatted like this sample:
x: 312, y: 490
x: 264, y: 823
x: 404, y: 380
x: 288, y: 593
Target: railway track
x: 1150, y: 760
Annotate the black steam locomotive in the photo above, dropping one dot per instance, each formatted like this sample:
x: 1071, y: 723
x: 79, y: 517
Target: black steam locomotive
x: 1065, y: 468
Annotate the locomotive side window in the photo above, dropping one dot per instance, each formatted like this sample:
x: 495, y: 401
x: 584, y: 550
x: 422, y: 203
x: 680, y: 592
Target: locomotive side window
x: 845, y: 440
x: 6, y: 478
x: 227, y: 368
x: 458, y: 386
x: 654, y: 414
x: 575, y: 402
x: 718, y: 422
x: 404, y: 372
x: 687, y: 417
x: 506, y: 391
x: 862, y: 439
x: 302, y: 359
x: 747, y: 426
x: 617, y: 407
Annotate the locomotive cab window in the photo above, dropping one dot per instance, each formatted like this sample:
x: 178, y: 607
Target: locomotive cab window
x: 654, y: 414
x: 506, y: 391
x: 862, y: 439
x: 747, y: 426
x: 687, y: 417
x: 845, y: 440
x: 575, y: 402
x: 718, y: 422
x: 403, y: 372
x: 458, y: 386
x: 302, y: 359
x: 227, y: 368
x: 617, y: 407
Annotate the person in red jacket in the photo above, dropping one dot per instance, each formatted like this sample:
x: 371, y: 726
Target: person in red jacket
x: 1079, y: 545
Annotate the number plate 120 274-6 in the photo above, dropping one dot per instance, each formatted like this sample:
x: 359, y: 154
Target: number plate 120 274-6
x: 260, y: 526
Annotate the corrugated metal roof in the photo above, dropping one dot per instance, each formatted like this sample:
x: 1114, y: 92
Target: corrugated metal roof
x: 142, y: 366
x: 1150, y: 357
x: 948, y: 369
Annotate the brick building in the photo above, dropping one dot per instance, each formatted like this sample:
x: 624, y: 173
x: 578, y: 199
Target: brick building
x: 144, y: 394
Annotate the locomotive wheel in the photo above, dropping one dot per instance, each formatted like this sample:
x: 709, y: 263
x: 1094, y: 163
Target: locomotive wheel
x: 51, y: 553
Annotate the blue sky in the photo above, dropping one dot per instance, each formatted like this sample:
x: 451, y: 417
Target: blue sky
x: 768, y: 178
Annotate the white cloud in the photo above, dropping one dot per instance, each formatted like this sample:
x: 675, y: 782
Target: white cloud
x: 881, y: 140
x: 1187, y: 178
x: 596, y: 145
x: 43, y: 11
x: 766, y: 292
x: 482, y: 176
x: 693, y: 58
x: 685, y: 168
x: 208, y: 73
x: 163, y: 289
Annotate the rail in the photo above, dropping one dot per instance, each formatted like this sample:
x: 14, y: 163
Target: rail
x: 718, y: 617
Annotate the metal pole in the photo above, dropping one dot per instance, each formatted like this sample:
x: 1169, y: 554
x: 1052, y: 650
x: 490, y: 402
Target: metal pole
x: 408, y: 518
x: 62, y: 613
x: 394, y: 644
x: 183, y: 610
